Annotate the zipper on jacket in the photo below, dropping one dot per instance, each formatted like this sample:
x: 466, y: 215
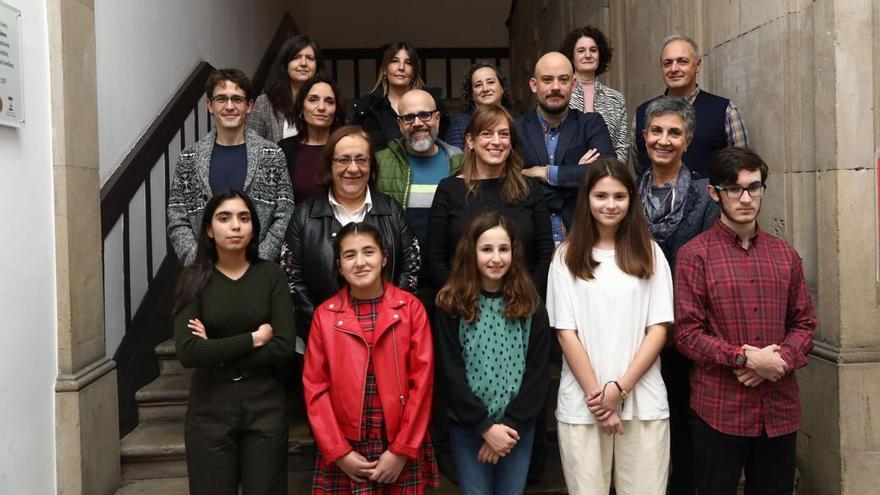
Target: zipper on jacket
x: 366, y: 369
x: 397, y: 370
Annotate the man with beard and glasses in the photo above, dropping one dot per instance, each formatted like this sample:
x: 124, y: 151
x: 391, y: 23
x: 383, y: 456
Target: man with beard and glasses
x: 719, y: 121
x: 558, y: 141
x: 230, y: 156
x: 744, y: 316
x: 411, y: 166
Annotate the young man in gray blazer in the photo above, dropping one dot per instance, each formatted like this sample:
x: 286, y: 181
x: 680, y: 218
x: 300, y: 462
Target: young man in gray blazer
x: 229, y: 157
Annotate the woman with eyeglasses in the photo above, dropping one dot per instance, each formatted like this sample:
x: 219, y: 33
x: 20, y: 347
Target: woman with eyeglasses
x: 483, y: 84
x: 677, y: 207
x: 318, y: 111
x: 399, y: 72
x: 490, y: 179
x: 348, y: 178
x: 274, y: 115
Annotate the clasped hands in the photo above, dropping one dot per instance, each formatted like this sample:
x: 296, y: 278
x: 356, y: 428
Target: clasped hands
x: 498, y: 441
x: 604, y: 403
x: 761, y: 364
x: 384, y: 470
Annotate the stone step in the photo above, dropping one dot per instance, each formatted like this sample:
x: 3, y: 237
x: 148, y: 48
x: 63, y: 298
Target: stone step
x: 155, y: 450
x: 297, y: 482
x: 165, y: 398
x: 168, y: 363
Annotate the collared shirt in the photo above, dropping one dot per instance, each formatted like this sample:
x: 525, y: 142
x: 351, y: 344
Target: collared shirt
x: 734, y: 126
x: 344, y: 216
x: 551, y: 140
x: 727, y: 296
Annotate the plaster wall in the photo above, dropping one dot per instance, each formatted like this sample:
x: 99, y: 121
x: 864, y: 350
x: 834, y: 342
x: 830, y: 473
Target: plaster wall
x: 806, y: 76
x: 453, y: 23
x: 28, y: 285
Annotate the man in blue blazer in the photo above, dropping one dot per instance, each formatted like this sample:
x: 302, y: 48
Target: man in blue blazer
x: 558, y: 142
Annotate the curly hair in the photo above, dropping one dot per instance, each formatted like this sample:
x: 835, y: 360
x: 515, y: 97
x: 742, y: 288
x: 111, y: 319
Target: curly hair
x: 467, y: 89
x: 602, y: 43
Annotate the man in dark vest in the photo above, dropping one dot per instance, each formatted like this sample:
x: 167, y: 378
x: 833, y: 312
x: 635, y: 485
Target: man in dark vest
x: 719, y: 122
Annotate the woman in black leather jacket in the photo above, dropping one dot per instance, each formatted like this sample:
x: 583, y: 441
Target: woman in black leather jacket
x: 348, y: 174
x: 400, y: 71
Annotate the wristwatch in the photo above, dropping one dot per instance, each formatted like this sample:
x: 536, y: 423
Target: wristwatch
x: 739, y: 357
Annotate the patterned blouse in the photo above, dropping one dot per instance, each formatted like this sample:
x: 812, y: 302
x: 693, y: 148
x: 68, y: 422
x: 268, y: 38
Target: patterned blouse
x: 611, y: 105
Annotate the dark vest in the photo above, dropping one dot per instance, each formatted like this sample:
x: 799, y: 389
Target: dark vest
x: 709, y: 136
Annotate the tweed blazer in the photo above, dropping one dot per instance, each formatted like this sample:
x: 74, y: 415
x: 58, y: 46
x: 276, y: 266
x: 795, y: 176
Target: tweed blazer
x: 266, y: 183
x: 611, y: 105
x: 265, y: 121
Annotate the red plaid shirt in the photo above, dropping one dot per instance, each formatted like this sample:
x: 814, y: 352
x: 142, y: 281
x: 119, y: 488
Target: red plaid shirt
x: 727, y: 296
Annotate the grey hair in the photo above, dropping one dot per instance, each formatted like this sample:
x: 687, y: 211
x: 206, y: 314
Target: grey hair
x: 680, y: 37
x: 676, y: 106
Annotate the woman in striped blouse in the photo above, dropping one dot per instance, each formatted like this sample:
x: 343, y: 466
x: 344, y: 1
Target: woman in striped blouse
x: 590, y: 53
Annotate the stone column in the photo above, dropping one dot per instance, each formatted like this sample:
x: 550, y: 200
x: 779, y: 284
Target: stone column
x: 86, y: 416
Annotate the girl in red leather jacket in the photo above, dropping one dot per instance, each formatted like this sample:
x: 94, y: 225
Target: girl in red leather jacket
x: 368, y: 378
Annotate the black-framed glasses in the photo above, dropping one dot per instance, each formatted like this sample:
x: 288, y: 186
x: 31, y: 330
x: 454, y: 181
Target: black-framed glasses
x: 409, y: 118
x: 735, y: 191
x: 223, y: 100
x: 346, y: 160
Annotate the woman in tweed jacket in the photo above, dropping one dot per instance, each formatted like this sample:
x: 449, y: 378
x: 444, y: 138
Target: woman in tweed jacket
x: 590, y: 53
x: 273, y: 114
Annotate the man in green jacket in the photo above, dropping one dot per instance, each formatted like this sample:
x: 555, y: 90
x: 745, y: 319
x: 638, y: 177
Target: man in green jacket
x: 411, y: 166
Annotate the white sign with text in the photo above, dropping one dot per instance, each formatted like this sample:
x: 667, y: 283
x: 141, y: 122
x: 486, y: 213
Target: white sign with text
x: 11, y: 100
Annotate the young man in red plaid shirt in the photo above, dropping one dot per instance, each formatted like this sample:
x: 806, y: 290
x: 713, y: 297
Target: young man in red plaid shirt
x: 744, y: 316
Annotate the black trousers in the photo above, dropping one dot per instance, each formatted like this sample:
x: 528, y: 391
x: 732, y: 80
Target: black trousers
x: 676, y: 370
x: 236, y: 433
x: 721, y: 458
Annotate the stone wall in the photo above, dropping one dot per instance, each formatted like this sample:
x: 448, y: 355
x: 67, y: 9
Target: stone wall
x: 806, y: 75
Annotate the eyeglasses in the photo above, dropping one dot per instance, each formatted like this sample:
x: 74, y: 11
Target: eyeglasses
x: 756, y: 190
x: 346, y: 160
x: 222, y: 100
x: 411, y: 117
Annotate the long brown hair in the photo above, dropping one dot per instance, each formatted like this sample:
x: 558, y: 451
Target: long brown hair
x: 632, y: 242
x: 460, y: 296
x: 515, y: 187
x: 390, y: 51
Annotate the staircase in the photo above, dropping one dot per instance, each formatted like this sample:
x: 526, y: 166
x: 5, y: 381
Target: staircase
x: 153, y: 454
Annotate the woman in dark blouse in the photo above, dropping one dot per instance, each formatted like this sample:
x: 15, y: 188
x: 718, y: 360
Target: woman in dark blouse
x: 233, y: 323
x: 490, y: 179
x: 318, y: 112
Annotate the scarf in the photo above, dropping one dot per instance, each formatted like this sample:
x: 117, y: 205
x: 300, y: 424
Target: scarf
x: 662, y: 214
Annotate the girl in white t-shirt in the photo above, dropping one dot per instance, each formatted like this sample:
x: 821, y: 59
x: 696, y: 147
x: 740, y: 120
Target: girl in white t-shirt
x: 610, y: 300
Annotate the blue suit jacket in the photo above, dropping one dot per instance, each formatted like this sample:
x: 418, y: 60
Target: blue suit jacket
x: 580, y: 132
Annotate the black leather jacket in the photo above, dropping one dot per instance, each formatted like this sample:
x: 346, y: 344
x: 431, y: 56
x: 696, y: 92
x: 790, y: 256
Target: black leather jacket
x: 307, y: 253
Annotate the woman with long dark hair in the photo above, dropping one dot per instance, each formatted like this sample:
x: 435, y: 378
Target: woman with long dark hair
x: 590, y: 53
x: 399, y: 71
x: 233, y: 323
x: 609, y: 298
x: 273, y: 116
x: 493, y: 344
x: 318, y: 111
x: 484, y: 84
x: 368, y: 377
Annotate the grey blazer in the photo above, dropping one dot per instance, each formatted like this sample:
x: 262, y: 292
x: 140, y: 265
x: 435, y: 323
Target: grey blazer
x: 265, y: 121
x: 266, y: 182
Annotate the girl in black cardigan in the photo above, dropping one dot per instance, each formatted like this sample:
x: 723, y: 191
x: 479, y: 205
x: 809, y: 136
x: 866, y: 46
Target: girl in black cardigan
x: 493, y: 343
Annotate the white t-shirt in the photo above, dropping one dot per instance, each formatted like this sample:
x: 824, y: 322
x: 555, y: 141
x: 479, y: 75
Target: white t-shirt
x: 610, y: 313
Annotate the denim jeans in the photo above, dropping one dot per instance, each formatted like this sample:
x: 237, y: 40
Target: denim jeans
x: 508, y: 477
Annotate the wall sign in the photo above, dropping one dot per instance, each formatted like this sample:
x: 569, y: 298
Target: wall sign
x: 11, y: 97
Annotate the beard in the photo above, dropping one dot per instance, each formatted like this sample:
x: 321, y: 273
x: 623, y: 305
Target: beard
x: 423, y: 144
x: 551, y: 109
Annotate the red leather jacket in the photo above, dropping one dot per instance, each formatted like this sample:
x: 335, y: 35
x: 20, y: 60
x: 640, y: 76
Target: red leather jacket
x: 335, y: 373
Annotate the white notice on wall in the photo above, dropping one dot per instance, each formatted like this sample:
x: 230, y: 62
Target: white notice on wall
x: 11, y: 100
